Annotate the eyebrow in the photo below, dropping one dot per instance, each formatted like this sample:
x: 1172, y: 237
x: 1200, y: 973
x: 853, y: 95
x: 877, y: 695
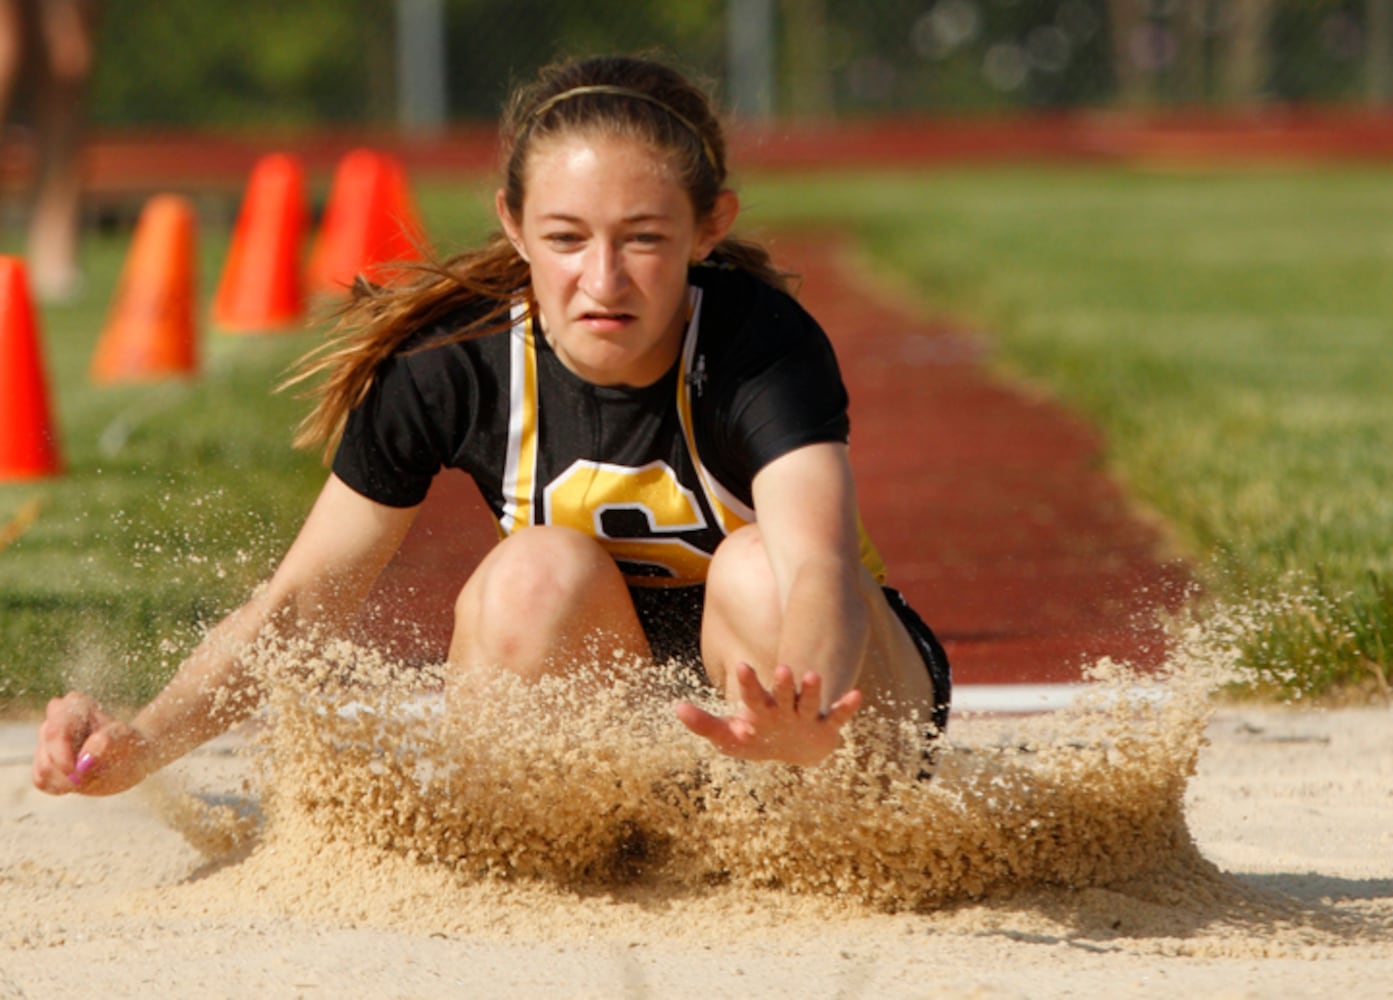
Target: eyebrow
x: 638, y: 217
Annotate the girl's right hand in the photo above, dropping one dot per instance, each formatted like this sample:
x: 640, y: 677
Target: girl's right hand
x: 83, y: 749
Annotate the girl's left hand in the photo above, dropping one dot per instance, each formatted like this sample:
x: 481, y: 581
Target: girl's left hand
x: 782, y: 723
x: 83, y: 749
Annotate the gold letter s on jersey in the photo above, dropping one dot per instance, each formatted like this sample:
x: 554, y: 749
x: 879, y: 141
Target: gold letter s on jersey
x: 581, y: 495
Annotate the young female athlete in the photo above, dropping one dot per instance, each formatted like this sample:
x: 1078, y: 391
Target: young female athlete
x: 659, y: 429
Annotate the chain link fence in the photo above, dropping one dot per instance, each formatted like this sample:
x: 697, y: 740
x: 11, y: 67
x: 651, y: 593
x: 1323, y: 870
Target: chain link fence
x: 313, y: 62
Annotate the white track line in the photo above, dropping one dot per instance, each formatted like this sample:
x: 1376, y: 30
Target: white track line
x: 1000, y: 698
x: 1019, y: 698
x: 1014, y: 697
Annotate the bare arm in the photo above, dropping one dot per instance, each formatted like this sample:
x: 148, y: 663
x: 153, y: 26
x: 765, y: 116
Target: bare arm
x: 322, y: 581
x: 807, y: 522
x: 807, y: 518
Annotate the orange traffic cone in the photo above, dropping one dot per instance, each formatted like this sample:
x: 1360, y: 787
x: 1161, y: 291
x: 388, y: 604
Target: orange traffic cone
x: 28, y: 444
x: 150, y: 332
x: 369, y: 223
x: 260, y: 288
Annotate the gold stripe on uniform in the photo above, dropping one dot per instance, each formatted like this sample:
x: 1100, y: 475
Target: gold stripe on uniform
x: 520, y: 471
x: 731, y: 513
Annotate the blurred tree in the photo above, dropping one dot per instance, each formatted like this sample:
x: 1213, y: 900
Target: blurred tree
x: 249, y: 62
x: 1191, y: 25
x: 1127, y: 31
x: 1244, y: 74
x: 493, y: 44
x: 257, y: 63
x: 1319, y: 49
x: 1379, y: 76
x: 807, y: 63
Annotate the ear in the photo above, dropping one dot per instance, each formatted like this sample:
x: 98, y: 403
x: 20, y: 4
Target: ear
x: 716, y: 225
x: 510, y: 226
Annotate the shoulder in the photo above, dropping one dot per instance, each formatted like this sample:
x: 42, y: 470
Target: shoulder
x: 737, y: 294
x: 421, y: 407
x: 462, y: 324
x: 767, y: 378
x: 462, y: 344
x: 440, y: 376
x: 741, y: 313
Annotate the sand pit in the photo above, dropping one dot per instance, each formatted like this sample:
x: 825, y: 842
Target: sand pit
x: 575, y: 846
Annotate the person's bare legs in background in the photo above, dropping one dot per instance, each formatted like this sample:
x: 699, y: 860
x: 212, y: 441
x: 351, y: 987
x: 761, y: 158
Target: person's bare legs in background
x: 53, y: 41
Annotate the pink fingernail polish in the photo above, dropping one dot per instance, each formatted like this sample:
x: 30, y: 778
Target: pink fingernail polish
x: 84, y: 764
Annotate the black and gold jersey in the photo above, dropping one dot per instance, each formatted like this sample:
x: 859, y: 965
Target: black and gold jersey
x: 659, y: 474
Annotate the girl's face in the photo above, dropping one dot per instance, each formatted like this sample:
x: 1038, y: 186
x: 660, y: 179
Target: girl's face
x: 609, y: 232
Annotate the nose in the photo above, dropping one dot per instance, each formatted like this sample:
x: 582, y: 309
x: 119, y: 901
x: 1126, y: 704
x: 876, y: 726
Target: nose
x: 603, y: 276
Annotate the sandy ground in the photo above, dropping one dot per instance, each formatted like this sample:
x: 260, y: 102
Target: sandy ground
x: 1287, y: 890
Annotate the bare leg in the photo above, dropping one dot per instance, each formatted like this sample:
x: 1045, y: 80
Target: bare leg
x: 743, y: 616
x: 545, y: 601
x: 11, y: 52
x: 67, y: 29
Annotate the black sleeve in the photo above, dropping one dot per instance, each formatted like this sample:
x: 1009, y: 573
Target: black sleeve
x: 392, y: 445
x: 785, y: 390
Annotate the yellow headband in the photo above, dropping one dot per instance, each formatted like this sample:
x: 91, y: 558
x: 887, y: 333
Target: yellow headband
x: 602, y: 88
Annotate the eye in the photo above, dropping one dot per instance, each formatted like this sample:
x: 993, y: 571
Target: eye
x: 647, y: 239
x: 563, y: 240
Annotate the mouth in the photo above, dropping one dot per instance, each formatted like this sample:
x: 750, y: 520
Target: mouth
x: 607, y: 320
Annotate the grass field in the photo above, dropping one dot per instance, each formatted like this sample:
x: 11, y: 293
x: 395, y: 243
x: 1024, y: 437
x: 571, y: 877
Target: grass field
x: 1230, y: 332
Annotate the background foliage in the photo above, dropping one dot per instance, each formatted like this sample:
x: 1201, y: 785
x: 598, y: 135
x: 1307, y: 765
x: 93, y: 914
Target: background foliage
x: 258, y: 62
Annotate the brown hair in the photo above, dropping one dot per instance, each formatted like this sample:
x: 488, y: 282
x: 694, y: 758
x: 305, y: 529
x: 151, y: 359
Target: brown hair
x: 610, y: 95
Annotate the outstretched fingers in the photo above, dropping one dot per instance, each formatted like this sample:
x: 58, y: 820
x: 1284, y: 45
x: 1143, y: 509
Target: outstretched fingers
x: 839, y: 713
x: 753, y: 695
x: 782, y: 691
x: 728, y: 735
x: 783, y: 722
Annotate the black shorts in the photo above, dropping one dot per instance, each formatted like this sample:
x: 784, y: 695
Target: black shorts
x: 671, y: 618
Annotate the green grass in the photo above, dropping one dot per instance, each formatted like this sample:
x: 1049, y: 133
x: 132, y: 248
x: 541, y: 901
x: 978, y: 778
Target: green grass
x: 1230, y: 332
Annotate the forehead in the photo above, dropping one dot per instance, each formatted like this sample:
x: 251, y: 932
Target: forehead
x: 580, y: 168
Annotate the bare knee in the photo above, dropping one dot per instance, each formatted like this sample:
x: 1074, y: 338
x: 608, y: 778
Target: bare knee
x: 740, y: 574
x: 532, y: 601
x: 743, y: 613
x: 530, y: 577
x: 538, y: 568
